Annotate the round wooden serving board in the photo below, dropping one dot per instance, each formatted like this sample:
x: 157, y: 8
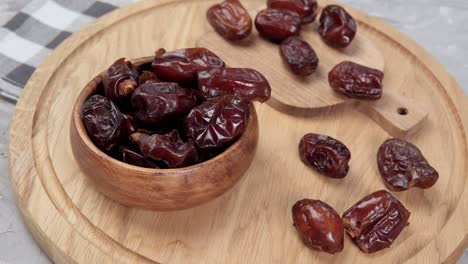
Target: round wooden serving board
x: 251, y: 223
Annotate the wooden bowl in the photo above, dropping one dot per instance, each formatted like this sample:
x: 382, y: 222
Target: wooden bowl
x: 160, y: 189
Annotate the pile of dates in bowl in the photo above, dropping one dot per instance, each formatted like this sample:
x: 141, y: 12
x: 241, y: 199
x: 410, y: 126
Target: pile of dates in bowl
x: 182, y: 120
x: 179, y: 110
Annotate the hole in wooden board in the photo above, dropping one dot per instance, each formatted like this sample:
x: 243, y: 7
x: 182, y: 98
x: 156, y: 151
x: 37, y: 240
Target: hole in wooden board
x: 402, y: 110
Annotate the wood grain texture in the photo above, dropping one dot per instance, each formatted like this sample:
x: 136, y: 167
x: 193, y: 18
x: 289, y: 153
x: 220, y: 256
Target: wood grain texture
x: 156, y: 189
x: 74, y: 223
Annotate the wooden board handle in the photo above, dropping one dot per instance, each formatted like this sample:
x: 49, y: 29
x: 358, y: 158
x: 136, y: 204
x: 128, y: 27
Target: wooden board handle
x: 397, y: 114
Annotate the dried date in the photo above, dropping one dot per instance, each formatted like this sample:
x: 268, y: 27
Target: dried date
x: 319, y: 225
x: 131, y: 157
x: 103, y: 122
x: 299, y: 55
x: 120, y: 80
x: 230, y: 19
x: 325, y: 154
x: 375, y: 221
x: 129, y: 124
x: 402, y: 166
x: 356, y: 81
x: 247, y: 84
x: 160, y: 102
x: 337, y: 27
x: 307, y: 9
x: 276, y: 24
x: 181, y: 66
x: 168, y: 148
x: 217, y: 122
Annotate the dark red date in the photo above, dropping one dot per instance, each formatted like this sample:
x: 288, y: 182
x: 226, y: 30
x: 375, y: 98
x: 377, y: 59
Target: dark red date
x: 168, y: 148
x: 181, y: 66
x: 375, y: 221
x: 230, y: 19
x: 129, y: 124
x: 103, y: 122
x: 319, y: 225
x: 337, y: 27
x: 299, y: 55
x: 129, y: 156
x: 138, y: 117
x: 120, y: 80
x: 325, y: 154
x: 247, y: 84
x: 307, y: 9
x: 276, y: 24
x: 217, y: 122
x: 159, y: 102
x: 402, y: 166
x: 356, y: 81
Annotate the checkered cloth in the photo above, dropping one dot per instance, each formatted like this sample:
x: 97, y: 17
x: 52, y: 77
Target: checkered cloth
x: 30, y: 35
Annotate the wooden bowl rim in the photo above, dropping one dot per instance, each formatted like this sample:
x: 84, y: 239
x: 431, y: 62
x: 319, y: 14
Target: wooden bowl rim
x: 90, y: 89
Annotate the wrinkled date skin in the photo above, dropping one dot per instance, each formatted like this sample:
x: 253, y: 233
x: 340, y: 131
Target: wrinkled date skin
x: 217, y: 122
x: 157, y: 103
x: 103, y: 121
x: 356, y: 81
x: 325, y: 154
x: 230, y: 19
x: 319, y: 225
x: 120, y: 80
x: 168, y: 148
x: 138, y: 117
x: 337, y: 27
x: 181, y: 66
x: 402, y: 166
x: 131, y: 157
x: 375, y: 221
x: 299, y: 55
x: 307, y: 9
x: 276, y: 24
x: 247, y: 84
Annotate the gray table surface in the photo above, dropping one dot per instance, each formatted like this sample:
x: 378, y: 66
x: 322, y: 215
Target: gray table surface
x: 438, y: 26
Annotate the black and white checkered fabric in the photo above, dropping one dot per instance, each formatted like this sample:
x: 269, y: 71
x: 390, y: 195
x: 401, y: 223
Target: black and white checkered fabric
x: 30, y: 35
